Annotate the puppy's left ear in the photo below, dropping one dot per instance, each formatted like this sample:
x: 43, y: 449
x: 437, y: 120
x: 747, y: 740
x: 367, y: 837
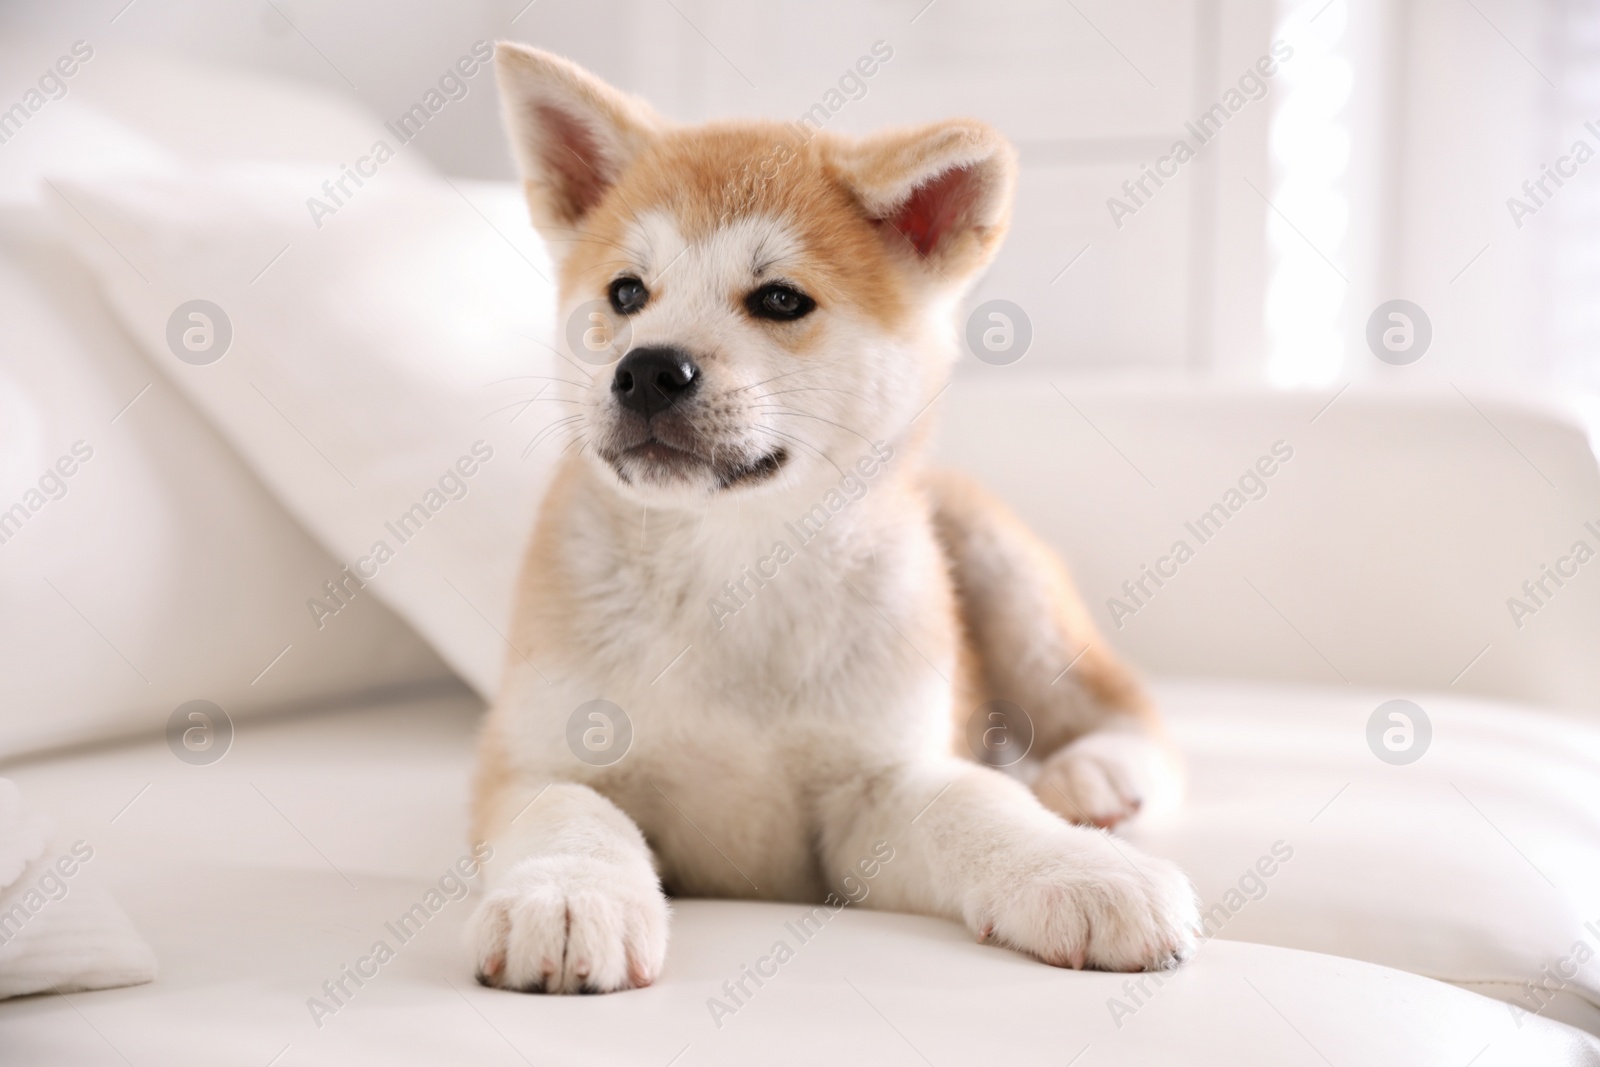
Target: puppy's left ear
x: 941, y: 194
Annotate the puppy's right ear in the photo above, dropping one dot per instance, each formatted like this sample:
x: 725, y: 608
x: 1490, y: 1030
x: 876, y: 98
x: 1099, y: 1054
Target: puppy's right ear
x: 571, y: 133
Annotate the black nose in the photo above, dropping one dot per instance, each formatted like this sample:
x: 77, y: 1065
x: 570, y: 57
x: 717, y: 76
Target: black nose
x: 649, y: 380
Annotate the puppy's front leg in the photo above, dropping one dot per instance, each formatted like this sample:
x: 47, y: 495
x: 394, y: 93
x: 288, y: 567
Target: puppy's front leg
x: 974, y: 845
x: 574, y: 903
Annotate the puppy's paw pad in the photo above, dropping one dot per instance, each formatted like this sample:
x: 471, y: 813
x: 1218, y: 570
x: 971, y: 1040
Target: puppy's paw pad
x: 570, y: 925
x: 1106, y: 778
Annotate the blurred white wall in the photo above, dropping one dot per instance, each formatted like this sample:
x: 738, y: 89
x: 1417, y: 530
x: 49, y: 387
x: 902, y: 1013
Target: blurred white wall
x: 1451, y: 107
x: 1090, y: 92
x: 1378, y: 164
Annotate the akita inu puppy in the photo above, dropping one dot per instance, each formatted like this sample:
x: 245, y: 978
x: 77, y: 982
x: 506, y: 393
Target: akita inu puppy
x: 792, y: 618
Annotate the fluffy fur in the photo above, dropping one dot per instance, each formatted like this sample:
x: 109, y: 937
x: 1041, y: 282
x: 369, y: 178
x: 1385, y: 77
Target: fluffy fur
x: 779, y: 740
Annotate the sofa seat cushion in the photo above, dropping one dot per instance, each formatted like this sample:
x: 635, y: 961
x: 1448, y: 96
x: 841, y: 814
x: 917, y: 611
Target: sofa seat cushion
x: 1477, y: 863
x: 262, y: 876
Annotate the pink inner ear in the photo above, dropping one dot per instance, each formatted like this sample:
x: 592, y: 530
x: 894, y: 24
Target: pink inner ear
x: 936, y: 208
x: 572, y: 159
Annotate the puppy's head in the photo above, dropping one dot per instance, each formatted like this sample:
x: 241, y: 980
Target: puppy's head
x: 755, y: 304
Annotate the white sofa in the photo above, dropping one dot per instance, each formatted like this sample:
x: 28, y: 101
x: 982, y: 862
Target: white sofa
x: 1370, y: 913
x: 1414, y: 905
x: 260, y: 877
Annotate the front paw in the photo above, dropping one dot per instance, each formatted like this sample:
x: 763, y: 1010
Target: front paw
x: 1107, y: 777
x: 571, y: 924
x: 1090, y: 902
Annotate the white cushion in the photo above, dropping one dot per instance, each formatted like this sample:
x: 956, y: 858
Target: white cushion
x: 260, y: 879
x: 372, y: 348
x: 56, y: 933
x: 164, y: 572
x: 176, y: 576
x: 1478, y: 864
x: 257, y: 880
x: 373, y: 351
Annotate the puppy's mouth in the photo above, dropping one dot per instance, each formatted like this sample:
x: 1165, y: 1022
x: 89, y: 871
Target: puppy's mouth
x: 658, y: 461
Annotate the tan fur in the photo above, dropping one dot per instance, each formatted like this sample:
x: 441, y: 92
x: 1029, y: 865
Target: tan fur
x: 1033, y: 641
x: 1009, y: 581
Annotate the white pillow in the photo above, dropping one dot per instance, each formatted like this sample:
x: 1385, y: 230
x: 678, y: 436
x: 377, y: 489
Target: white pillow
x: 385, y: 359
x: 141, y: 564
x: 195, y: 578
x: 55, y: 932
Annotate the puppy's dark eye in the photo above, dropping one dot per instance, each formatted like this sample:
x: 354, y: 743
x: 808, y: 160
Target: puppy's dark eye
x: 628, y: 295
x: 779, y: 302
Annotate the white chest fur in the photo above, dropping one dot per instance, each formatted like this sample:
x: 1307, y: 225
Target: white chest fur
x: 760, y: 655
